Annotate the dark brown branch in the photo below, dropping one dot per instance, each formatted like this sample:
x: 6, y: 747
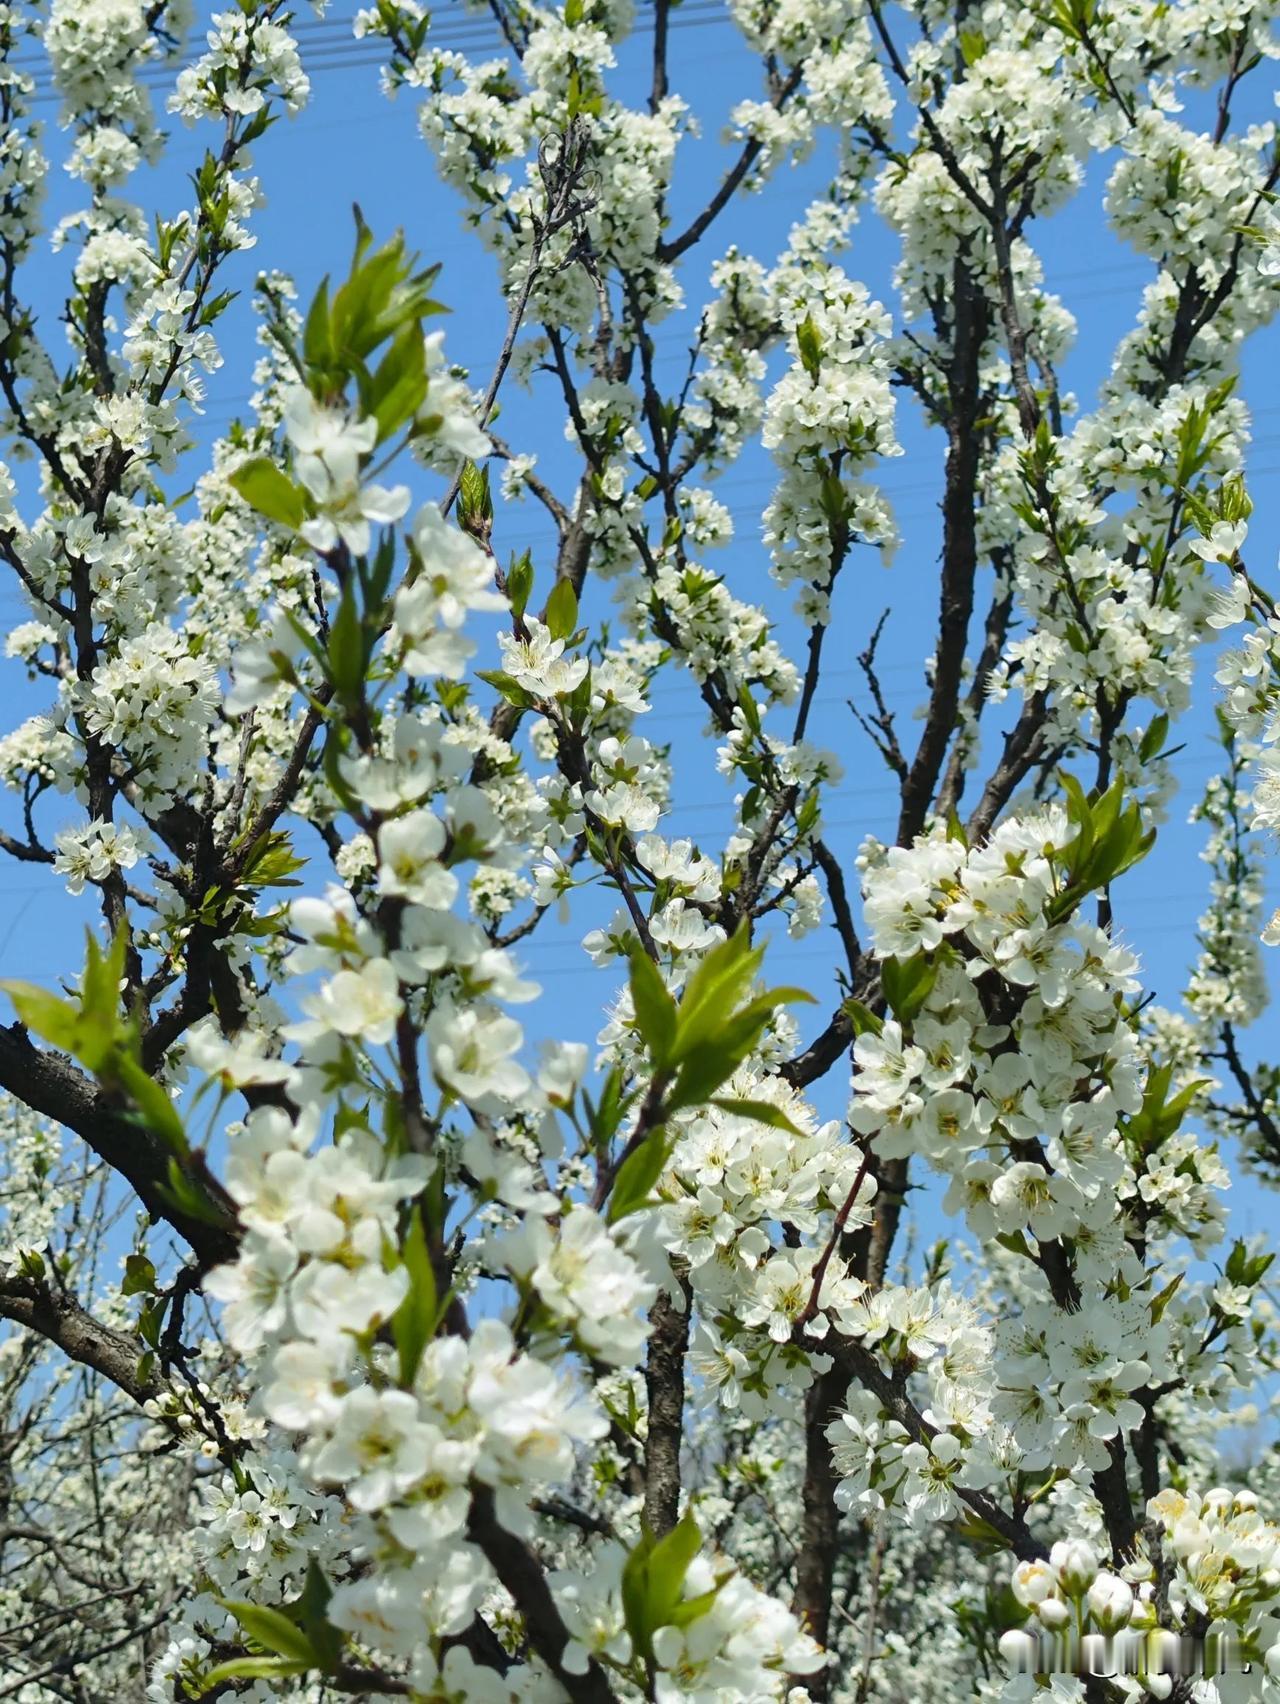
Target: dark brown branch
x: 522, y: 1575
x: 751, y: 152
x: 971, y: 323
x: 56, y: 1315
x: 664, y: 1382
x: 52, y: 1085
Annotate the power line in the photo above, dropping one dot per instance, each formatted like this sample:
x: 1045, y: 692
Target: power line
x: 780, y: 945
x: 339, y: 54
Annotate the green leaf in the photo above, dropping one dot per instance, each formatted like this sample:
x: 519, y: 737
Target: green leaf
x: 273, y: 1629
x: 809, y: 345
x: 150, y: 1319
x: 270, y: 492
x: 863, y: 1019
x: 1161, y: 1300
x: 398, y: 388
x: 604, y: 1119
x: 317, y: 338
x: 763, y: 1112
x: 907, y: 984
x: 981, y: 1534
x: 346, y: 661
x: 310, y: 1610
x: 47, y: 1015
x: 181, y: 1192
x: 562, y: 609
x: 653, y: 1579
x: 635, y: 1578
x: 249, y: 1668
x: 139, y: 1276
x: 475, y: 504
x: 714, y: 989
x: 637, y: 1175
x: 668, y: 1563
x: 520, y: 583
x: 272, y: 863
x: 155, y: 1111
x: 1015, y: 1242
x: 710, y: 1062
x: 90, y: 1028
x: 693, y: 1609
x: 100, y: 1013
x: 654, y: 1008
x: 509, y: 688
x: 414, y: 1320
x: 1153, y: 740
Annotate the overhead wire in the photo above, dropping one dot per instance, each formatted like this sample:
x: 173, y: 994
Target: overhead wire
x: 338, y: 53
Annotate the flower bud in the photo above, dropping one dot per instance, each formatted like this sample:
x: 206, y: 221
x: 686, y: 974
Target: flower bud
x: 1110, y: 1601
x: 1054, y: 1614
x: 1033, y: 1582
x: 1077, y: 1564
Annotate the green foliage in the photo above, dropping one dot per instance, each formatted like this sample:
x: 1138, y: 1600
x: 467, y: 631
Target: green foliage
x: 1197, y: 445
x: 809, y: 345
x: 508, y: 688
x: 274, y: 1631
x: 384, y: 298
x: 416, y: 1318
x: 636, y: 1176
x: 655, y: 1010
x: 310, y: 1610
x: 139, y: 1275
x: 704, y: 1039
x: 1245, y: 1267
x: 763, y: 1112
x: 1160, y: 1116
x: 1109, y: 840
x: 694, y: 1046
x: 90, y: 1029
x: 653, y: 1579
x: 297, y: 1636
x: 562, y: 610
x: 249, y: 1668
x: 520, y: 583
x: 863, y: 1019
x: 96, y: 1032
x: 604, y: 1117
x: 396, y: 390
x: 907, y: 984
x: 475, y: 501
x: 1152, y: 743
x: 270, y: 493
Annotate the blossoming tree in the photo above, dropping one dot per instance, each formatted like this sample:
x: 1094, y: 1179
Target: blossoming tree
x: 352, y: 1349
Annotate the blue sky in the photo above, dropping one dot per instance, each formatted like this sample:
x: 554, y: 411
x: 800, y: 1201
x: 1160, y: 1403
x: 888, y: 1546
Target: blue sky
x: 353, y: 145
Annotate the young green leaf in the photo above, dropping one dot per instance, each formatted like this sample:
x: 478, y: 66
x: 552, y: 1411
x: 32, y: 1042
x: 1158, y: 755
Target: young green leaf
x: 761, y: 1112
x: 249, y: 1668
x: 654, y: 1008
x: 562, y: 609
x: 270, y: 492
x: 272, y: 1629
x: 633, y: 1185
x: 415, y: 1318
